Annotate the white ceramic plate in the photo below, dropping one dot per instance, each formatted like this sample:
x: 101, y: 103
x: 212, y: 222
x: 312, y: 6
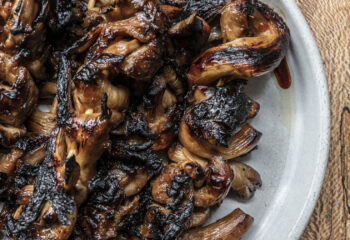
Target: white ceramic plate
x: 292, y: 154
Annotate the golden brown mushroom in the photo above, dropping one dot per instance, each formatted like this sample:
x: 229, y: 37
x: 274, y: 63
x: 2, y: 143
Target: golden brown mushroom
x: 25, y: 28
x: 219, y: 177
x: 243, y: 55
x: 245, y: 181
x: 87, y: 138
x: 231, y: 227
x: 18, y: 93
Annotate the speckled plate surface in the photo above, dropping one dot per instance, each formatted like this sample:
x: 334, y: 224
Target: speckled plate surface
x: 293, y: 152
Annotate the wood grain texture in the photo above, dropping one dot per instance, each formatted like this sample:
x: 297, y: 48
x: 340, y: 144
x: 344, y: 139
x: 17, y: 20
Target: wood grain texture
x: 330, y: 23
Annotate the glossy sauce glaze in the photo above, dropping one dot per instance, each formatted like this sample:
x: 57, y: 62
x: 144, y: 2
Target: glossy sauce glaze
x: 282, y: 74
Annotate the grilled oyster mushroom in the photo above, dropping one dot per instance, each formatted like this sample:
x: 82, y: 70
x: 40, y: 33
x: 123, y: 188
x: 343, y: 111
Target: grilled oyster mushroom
x: 87, y: 139
x: 188, y: 38
x: 161, y: 223
x: 8, y: 160
x: 49, y: 206
x: 246, y: 180
x: 232, y: 227
x: 133, y: 165
x: 255, y: 107
x: 102, y: 221
x: 88, y: 96
x: 209, y: 125
x: 18, y: 93
x: 132, y: 156
x: 243, y: 55
x: 9, y: 134
x: 172, y: 186
x: 198, y: 218
x: 143, y: 63
x: 160, y: 111
x: 241, y: 143
x: 111, y: 10
x: 219, y: 177
x: 42, y: 123
x: 24, y: 27
x: 216, y: 173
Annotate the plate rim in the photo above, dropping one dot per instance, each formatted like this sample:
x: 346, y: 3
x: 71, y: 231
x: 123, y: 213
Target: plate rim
x: 325, y: 121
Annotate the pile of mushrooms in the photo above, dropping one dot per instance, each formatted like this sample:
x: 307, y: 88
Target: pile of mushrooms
x: 147, y: 115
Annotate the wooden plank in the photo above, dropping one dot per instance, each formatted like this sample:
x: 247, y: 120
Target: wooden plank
x: 330, y: 22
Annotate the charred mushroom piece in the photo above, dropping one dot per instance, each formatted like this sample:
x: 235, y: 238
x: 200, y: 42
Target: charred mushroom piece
x: 102, y: 221
x: 219, y: 177
x: 243, y: 56
x: 160, y: 111
x: 255, y: 107
x: 198, y: 218
x: 9, y: 134
x: 25, y: 28
x: 42, y: 123
x: 49, y: 207
x: 231, y: 227
x: 18, y: 93
x: 161, y: 223
x: 87, y: 139
x: 8, y: 160
x: 143, y: 63
x: 172, y: 186
x: 245, y: 181
x: 216, y: 116
x: 209, y: 125
x: 241, y: 143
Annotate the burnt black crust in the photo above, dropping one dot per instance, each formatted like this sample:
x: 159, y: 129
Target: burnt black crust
x: 70, y: 166
x: 170, y: 226
x: 63, y: 92
x: 89, y: 73
x: 29, y: 143
x: 3, y: 185
x: 130, y: 222
x: 136, y: 124
x: 46, y: 188
x: 221, y: 114
x: 177, y: 190
x: 23, y: 174
x: 63, y: 12
x: 136, y: 155
x: 105, y: 190
x: 17, y: 28
x: 205, y: 8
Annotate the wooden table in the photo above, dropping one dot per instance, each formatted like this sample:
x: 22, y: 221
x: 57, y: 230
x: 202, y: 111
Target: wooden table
x: 330, y: 22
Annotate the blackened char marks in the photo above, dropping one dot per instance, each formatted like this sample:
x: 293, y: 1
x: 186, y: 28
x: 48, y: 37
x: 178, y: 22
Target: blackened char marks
x: 3, y: 185
x: 23, y: 173
x: 177, y: 190
x: 131, y: 221
x: 204, y: 8
x: 63, y: 93
x: 105, y: 190
x: 28, y: 144
x: 89, y: 72
x: 219, y: 116
x: 18, y: 27
x: 45, y: 189
x: 257, y: 58
x: 170, y: 226
x: 137, y: 155
x: 63, y: 11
